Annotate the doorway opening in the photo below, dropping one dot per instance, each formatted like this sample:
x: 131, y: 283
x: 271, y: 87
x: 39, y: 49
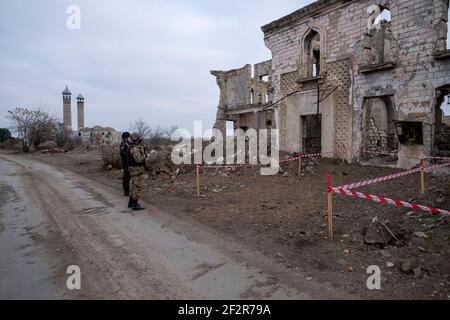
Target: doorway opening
x: 442, y: 122
x: 379, y: 133
x: 311, y: 133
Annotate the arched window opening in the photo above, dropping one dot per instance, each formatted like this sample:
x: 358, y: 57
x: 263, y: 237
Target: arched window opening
x: 252, y: 96
x: 312, y: 55
x: 316, y: 63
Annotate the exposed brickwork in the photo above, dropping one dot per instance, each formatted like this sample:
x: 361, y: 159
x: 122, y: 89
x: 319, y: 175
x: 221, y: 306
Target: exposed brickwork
x: 338, y: 75
x: 288, y: 85
x: 412, y: 80
x: 404, y: 59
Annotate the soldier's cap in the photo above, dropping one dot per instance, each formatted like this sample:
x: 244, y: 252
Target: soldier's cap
x: 126, y: 135
x: 135, y: 137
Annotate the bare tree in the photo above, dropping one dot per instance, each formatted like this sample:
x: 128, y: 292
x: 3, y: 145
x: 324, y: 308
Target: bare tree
x: 43, y: 128
x: 141, y: 127
x: 22, y: 119
x: 153, y: 137
x: 61, y: 134
x: 32, y: 126
x: 170, y: 131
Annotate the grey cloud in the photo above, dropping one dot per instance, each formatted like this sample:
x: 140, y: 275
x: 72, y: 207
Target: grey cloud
x: 131, y: 59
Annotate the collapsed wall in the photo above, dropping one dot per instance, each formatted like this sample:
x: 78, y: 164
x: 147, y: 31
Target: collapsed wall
x: 246, y: 96
x: 352, y: 77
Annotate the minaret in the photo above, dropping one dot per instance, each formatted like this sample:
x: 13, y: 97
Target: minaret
x: 67, y: 109
x: 80, y: 111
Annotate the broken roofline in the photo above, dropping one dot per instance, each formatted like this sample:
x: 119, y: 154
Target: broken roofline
x: 313, y: 8
x: 230, y: 73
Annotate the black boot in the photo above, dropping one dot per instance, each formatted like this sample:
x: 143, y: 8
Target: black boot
x: 130, y: 202
x: 136, y: 206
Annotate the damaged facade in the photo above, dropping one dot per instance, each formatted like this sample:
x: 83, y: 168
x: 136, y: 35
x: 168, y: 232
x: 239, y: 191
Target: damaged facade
x: 244, y: 95
x: 354, y: 77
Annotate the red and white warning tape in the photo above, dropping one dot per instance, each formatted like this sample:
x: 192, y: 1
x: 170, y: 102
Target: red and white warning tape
x: 311, y: 155
x: 407, y: 155
x: 388, y: 201
x: 390, y: 177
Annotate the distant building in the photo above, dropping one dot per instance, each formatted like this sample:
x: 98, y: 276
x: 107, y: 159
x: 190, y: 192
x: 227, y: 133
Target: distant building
x: 80, y: 111
x: 94, y: 135
x: 98, y: 135
x: 67, y: 109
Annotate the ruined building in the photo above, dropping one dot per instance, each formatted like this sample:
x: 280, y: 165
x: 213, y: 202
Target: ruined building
x: 358, y: 78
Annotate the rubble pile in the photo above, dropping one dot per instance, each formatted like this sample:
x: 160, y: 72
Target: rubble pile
x: 49, y: 147
x: 160, y: 163
x: 308, y: 165
x: 383, y: 234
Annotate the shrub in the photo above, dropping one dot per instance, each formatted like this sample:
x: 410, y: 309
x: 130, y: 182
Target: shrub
x: 110, y: 156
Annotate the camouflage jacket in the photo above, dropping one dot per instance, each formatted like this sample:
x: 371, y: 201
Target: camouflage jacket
x: 137, y: 159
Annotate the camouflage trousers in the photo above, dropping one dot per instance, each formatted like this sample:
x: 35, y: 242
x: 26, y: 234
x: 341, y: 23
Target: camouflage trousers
x: 136, y: 181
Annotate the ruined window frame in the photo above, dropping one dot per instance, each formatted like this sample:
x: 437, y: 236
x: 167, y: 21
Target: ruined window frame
x: 304, y: 67
x: 378, y: 19
x: 371, y: 60
x: 442, y: 31
x: 264, y: 78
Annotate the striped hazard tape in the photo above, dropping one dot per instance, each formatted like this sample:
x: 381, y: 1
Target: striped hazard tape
x: 380, y: 199
x: 406, y: 155
x: 391, y: 177
x: 312, y: 155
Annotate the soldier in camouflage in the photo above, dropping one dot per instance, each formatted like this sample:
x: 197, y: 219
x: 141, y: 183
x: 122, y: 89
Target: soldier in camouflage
x: 123, y: 150
x: 136, y: 162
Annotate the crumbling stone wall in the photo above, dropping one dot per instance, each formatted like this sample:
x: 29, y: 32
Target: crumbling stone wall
x: 413, y: 80
x: 405, y: 59
x: 379, y: 133
x: 244, y: 97
x: 377, y: 138
x: 402, y: 60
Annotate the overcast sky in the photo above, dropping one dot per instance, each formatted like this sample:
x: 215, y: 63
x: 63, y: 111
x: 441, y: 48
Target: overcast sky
x: 131, y: 59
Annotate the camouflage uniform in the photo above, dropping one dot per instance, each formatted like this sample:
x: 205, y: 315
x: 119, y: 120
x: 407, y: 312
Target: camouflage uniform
x: 137, y: 169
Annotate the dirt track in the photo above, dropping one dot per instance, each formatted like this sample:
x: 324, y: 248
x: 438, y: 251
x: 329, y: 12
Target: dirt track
x: 284, y: 219
x: 51, y: 218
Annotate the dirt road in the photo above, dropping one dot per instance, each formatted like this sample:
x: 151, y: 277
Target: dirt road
x: 51, y: 218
